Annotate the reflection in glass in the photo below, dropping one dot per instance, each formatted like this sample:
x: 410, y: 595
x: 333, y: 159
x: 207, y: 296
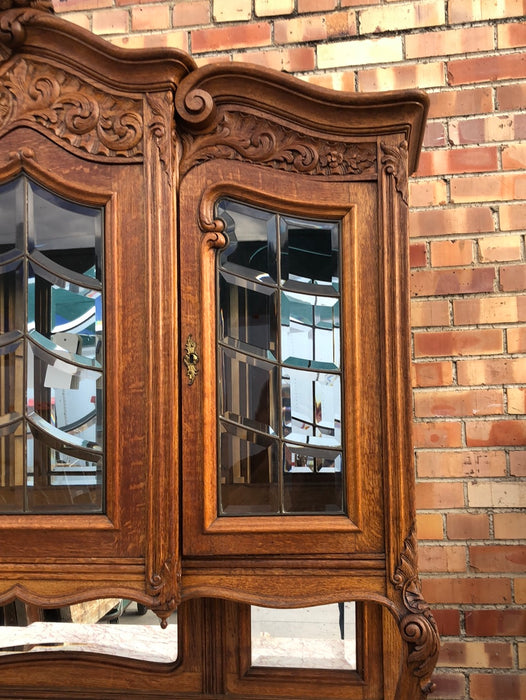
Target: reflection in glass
x: 86, y: 627
x: 249, y: 479
x: 279, y: 364
x: 322, y: 637
x: 12, y: 461
x: 52, y: 382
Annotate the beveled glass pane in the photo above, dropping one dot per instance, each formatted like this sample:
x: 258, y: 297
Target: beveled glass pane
x: 309, y: 252
x: 11, y: 381
x: 11, y: 298
x: 64, y: 231
x: 310, y: 331
x: 249, y: 475
x: 73, y: 318
x: 251, y: 248
x: 248, y: 391
x: 11, y: 215
x: 66, y: 396
x: 312, y: 480
x: 311, y: 407
x: 248, y: 314
x: 11, y: 466
x: 59, y: 481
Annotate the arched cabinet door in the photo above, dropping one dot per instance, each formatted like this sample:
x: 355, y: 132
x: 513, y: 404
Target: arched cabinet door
x: 88, y: 498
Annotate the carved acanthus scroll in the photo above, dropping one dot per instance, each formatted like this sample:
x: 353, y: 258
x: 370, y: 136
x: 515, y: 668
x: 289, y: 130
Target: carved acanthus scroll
x: 247, y: 137
x: 417, y: 625
x: 394, y: 161
x: 58, y: 103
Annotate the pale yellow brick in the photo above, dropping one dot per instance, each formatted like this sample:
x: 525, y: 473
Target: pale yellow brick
x: 516, y: 401
x: 401, y: 16
x: 268, y: 8
x: 500, y: 248
x: 497, y: 494
x: 359, y: 53
x: 232, y: 10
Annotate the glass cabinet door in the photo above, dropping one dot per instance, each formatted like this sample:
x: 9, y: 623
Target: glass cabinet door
x: 280, y: 389
x: 51, y: 352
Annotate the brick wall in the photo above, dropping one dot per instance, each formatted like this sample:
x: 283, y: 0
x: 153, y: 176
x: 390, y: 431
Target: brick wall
x: 469, y: 272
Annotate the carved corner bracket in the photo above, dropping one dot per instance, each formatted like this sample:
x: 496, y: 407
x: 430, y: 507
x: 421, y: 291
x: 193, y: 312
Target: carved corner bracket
x: 248, y: 137
x: 417, y: 625
x: 394, y: 160
x: 70, y: 110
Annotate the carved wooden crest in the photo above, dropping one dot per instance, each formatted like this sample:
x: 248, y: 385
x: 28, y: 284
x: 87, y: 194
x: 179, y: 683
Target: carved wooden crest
x: 59, y: 104
x: 247, y: 137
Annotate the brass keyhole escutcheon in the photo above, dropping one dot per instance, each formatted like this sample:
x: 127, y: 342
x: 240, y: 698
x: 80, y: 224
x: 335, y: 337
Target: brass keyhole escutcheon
x: 191, y: 359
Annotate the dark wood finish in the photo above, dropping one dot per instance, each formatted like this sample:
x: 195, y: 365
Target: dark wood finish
x: 157, y: 142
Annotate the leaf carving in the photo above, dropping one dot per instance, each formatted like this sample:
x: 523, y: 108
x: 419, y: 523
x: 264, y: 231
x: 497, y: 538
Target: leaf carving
x: 247, y: 137
x: 57, y: 102
x: 394, y: 161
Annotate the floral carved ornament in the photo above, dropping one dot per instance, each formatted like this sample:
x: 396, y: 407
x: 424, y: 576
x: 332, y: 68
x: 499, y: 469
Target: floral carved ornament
x: 59, y: 103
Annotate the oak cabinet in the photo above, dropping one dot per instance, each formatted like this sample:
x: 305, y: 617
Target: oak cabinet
x: 204, y: 360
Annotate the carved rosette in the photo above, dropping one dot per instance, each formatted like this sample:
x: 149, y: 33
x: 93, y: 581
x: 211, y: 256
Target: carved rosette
x: 60, y: 104
x: 246, y: 137
x: 394, y: 160
x: 417, y: 625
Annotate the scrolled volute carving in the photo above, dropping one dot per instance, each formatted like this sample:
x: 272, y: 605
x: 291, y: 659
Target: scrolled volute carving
x: 18, y: 14
x: 394, y: 160
x: 247, y: 137
x: 417, y: 625
x: 54, y: 101
x: 196, y: 108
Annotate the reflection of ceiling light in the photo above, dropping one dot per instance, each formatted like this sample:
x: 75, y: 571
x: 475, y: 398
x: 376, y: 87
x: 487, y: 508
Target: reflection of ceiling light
x: 78, y: 324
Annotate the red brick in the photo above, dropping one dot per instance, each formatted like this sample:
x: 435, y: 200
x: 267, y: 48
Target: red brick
x: 452, y: 465
x: 427, y: 193
x: 448, y: 622
x: 402, y: 77
x: 429, y: 526
x: 501, y: 127
x: 470, y: 280
x: 488, y: 188
x: 518, y: 463
x: 432, y: 374
x: 300, y: 29
x: 492, y: 371
x: 467, y: 526
x: 417, y: 254
x: 437, y: 434
x: 295, y: 59
x: 514, y: 157
x: 455, y: 402
x: 435, y: 135
x: 457, y: 103
x: 475, y: 655
x: 451, y: 222
x: 451, y: 253
x: 189, y: 13
x: 316, y: 5
x: 490, y: 686
x: 500, y: 248
x: 150, y: 17
x: 496, y: 623
x: 434, y: 312
x: 449, y: 686
x: 498, y: 558
x: 487, y: 69
x: 449, y: 42
x: 436, y: 495
x: 513, y: 278
x: 510, y: 97
x: 498, y: 432
x: 505, y: 309
x: 511, y: 36
x: 440, y: 558
x: 509, y: 526
x: 231, y: 37
x: 520, y: 590
x: 459, y: 160
x: 482, y: 591
x: 516, y: 339
x: 516, y: 399
x: 341, y: 24
x: 465, y: 342
x: 512, y: 216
